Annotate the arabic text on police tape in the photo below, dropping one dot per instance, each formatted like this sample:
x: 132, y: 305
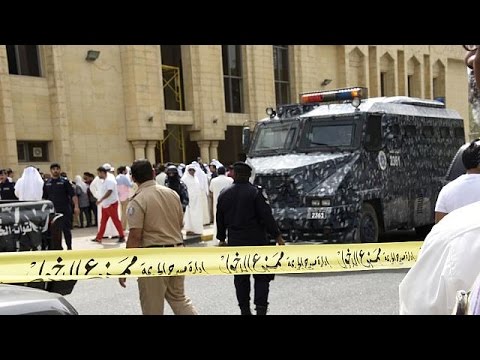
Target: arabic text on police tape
x: 89, y: 264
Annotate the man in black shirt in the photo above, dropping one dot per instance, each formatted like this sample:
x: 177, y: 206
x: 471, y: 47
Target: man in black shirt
x: 58, y: 190
x: 244, y: 211
x: 7, y: 187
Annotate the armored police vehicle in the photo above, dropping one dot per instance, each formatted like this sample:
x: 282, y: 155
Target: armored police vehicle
x: 340, y: 167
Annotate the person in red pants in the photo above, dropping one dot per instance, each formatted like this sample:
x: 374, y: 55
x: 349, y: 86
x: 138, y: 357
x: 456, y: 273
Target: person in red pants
x: 109, y: 202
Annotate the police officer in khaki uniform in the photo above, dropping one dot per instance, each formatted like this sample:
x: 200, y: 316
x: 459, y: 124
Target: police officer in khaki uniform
x: 155, y: 218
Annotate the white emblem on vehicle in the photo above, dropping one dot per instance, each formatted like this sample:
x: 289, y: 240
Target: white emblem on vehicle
x: 382, y: 160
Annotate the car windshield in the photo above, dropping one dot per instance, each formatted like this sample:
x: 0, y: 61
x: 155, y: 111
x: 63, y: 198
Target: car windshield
x: 275, y: 138
x: 325, y: 133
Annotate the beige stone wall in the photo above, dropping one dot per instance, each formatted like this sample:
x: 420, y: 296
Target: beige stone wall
x: 8, y: 155
x: 204, y: 91
x: 456, y: 80
x: 258, y: 70
x: 96, y: 108
x: 312, y: 65
x: 96, y: 112
x: 31, y: 106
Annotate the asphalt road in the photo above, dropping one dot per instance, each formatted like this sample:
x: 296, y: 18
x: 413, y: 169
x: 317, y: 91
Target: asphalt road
x: 367, y: 292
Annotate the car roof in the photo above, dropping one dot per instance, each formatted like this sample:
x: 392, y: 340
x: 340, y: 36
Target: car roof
x: 18, y: 300
x: 401, y: 105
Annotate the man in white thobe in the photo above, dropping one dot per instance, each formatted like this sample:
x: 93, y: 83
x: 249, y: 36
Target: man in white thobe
x: 448, y: 262
x: 217, y: 184
x: 203, y: 181
x: 193, y: 218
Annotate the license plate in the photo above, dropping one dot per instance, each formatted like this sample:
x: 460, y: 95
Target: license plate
x: 318, y: 215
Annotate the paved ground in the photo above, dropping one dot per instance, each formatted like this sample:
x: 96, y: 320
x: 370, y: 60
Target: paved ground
x: 82, y: 239
x: 369, y: 292
x: 362, y: 293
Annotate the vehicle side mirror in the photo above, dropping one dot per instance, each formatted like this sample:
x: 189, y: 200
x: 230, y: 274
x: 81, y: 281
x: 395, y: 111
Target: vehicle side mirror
x: 246, y: 138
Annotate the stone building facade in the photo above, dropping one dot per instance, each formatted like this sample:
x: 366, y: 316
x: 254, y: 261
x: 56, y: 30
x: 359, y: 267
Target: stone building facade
x: 84, y: 105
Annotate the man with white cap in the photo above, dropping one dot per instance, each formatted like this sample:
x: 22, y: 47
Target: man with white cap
x: 110, y: 169
x: 96, y: 189
x: 109, y: 202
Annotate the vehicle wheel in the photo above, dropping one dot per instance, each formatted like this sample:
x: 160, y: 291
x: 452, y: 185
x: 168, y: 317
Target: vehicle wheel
x: 423, y: 231
x: 368, y: 229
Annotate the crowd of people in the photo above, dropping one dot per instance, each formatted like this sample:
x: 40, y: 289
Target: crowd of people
x: 87, y: 199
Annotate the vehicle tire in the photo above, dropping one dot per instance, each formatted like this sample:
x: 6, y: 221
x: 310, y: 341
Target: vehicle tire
x: 423, y: 231
x: 368, y: 229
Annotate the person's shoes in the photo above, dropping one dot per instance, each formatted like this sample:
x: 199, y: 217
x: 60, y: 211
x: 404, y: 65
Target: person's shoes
x: 121, y: 240
x: 96, y: 240
x: 245, y: 310
x: 261, y: 310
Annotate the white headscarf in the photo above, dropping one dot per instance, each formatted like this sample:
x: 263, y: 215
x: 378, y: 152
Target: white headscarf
x: 209, y: 173
x: 186, y: 176
x: 30, y: 186
x: 96, y: 187
x: 79, y: 181
x: 180, y: 169
x: 216, y: 163
x: 201, y: 176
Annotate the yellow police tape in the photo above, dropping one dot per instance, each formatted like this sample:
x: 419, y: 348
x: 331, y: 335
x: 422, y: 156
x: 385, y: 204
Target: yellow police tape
x: 30, y: 266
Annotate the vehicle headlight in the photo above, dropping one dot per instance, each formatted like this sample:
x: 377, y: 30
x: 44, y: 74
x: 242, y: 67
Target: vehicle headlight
x: 326, y: 202
x: 321, y: 202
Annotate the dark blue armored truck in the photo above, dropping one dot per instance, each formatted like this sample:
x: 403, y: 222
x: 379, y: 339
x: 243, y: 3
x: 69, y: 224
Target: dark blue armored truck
x: 341, y: 167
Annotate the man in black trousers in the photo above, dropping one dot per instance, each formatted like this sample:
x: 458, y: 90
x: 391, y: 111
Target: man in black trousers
x: 244, y: 211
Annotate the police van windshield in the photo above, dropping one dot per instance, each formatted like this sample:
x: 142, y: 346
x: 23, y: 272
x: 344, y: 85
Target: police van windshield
x: 274, y: 137
x: 328, y: 133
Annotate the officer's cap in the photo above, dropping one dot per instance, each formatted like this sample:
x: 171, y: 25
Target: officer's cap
x: 241, y: 168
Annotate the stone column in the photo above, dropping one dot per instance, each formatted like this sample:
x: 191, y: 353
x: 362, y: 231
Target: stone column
x: 58, y: 106
x: 151, y: 151
x: 143, y: 92
x: 139, y: 149
x: 213, y: 150
x: 8, y: 155
x: 204, y: 153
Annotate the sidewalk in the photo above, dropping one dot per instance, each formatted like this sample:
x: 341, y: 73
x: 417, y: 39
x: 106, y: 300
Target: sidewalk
x: 81, y: 239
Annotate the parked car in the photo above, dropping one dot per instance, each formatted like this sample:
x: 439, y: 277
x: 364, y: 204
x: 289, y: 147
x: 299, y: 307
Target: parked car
x: 21, y: 300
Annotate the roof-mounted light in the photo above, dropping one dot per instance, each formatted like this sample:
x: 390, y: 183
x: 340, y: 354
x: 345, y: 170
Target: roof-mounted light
x: 270, y: 112
x: 347, y: 94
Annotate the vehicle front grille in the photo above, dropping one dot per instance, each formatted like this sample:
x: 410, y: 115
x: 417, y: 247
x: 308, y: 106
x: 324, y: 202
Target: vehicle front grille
x: 281, y: 190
